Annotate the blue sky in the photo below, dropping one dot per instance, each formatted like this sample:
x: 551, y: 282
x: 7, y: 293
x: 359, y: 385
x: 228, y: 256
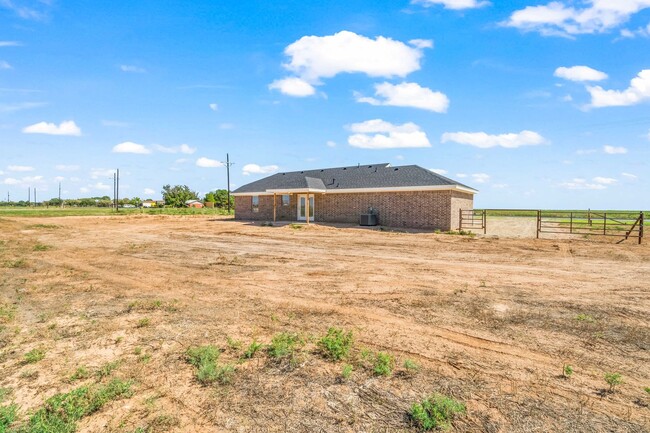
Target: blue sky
x: 537, y: 104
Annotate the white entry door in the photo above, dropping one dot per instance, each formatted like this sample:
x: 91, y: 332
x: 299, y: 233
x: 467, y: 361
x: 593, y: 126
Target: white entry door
x: 302, y: 207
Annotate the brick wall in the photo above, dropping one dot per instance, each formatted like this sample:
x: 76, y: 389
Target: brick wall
x: 415, y: 209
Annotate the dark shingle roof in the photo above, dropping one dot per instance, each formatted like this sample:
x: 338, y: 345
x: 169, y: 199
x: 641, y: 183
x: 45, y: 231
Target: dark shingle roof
x: 362, y: 176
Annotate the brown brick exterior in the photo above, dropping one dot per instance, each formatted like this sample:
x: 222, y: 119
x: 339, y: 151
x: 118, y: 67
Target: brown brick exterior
x: 413, y: 209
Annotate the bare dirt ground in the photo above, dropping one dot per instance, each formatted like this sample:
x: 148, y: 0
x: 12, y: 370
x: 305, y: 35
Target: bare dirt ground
x: 490, y: 322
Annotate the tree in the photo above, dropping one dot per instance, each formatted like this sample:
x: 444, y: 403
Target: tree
x: 220, y: 198
x: 177, y: 195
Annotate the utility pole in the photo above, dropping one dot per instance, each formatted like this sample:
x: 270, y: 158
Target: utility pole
x: 117, y: 192
x: 228, y: 176
x: 35, y: 203
x: 60, y: 202
x: 29, y: 196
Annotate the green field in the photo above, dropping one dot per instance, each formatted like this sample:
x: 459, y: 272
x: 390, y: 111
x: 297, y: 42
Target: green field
x: 103, y: 211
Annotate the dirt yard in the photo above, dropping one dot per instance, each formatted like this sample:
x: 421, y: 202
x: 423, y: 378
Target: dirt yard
x: 489, y: 322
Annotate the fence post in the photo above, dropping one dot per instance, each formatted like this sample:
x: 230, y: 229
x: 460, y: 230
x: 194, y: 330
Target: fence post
x: 460, y: 219
x: 571, y: 223
x: 589, y: 217
x: 604, y: 223
x: 539, y: 222
x: 484, y: 221
x: 641, y: 227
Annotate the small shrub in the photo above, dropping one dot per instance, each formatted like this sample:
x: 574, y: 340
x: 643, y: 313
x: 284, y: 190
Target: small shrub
x: 4, y: 392
x: 34, y: 355
x: 42, y: 247
x: 284, y: 345
x: 567, y: 371
x: 137, y: 350
x: 144, y: 358
x: 19, y: 263
x: 7, y: 313
x: 647, y: 389
x: 143, y: 322
x: 383, y: 365
x: 295, y: 226
x: 204, y: 358
x: 80, y: 373
x: 29, y: 374
x: 346, y: 371
x: 410, y: 366
x: 584, y: 318
x: 437, y: 411
x: 613, y: 380
x: 7, y: 416
x: 252, y: 349
x: 336, y: 344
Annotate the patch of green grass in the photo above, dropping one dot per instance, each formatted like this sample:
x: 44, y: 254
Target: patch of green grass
x: 18, y: 263
x: 205, y: 358
x: 107, y: 369
x: 80, y: 374
x: 346, y: 371
x: 142, y: 323
x: 411, y: 366
x: 336, y: 344
x: 284, y: 345
x: 42, y: 247
x: 613, y: 380
x: 647, y: 389
x: 252, y: 349
x: 383, y: 364
x: 7, y: 313
x: 585, y: 318
x: 436, y: 411
x: 61, y: 412
x: 4, y: 392
x: 8, y: 415
x: 296, y: 226
x: 233, y: 344
x: 145, y: 358
x: 33, y: 356
x: 199, y: 355
x: 567, y: 371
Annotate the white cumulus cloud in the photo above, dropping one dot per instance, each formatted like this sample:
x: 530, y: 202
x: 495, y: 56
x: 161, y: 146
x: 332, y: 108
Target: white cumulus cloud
x: 132, y: 69
x: 639, y: 91
x: 331, y: 143
x: 214, y: 107
x: 569, y: 18
x: 580, y: 183
x: 580, y: 73
x: 484, y: 141
x: 293, y: 86
x: 20, y: 168
x: 183, y: 148
x: 379, y: 134
x: 312, y: 58
x: 439, y: 171
x: 249, y: 169
x: 407, y: 95
x: 149, y: 191
x: 5, y: 65
x: 629, y: 176
x: 67, y: 127
x: 131, y: 147
x: 452, y: 4
x: 208, y: 163
x: 604, y: 180
x: 614, y: 150
x: 481, y: 177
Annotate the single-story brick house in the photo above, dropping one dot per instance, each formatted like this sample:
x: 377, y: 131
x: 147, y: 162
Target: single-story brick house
x: 405, y: 196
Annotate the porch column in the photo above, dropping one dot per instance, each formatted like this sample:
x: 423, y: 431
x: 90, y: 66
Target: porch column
x: 307, y: 208
x: 274, y: 207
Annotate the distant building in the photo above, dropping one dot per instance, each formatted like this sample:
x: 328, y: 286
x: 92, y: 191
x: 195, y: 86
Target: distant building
x: 149, y: 203
x: 405, y: 196
x: 194, y: 203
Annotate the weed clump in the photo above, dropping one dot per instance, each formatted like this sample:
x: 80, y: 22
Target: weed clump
x: 284, y: 345
x: 62, y: 411
x: 205, y: 358
x: 383, y: 364
x: 42, y: 247
x: 567, y: 371
x: 80, y: 373
x: 7, y: 416
x: 336, y: 345
x: 613, y: 380
x: 106, y: 369
x: 252, y: 349
x: 410, y: 366
x: 436, y: 411
x: 142, y: 323
x: 34, y: 355
x: 346, y: 371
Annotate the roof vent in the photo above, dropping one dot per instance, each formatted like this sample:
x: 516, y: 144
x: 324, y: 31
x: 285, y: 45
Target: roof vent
x: 322, y: 171
x: 345, y: 168
x: 370, y: 166
x: 396, y: 169
x: 301, y: 172
x: 283, y: 174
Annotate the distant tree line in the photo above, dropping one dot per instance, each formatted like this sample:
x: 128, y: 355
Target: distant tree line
x: 104, y: 201
x: 178, y: 195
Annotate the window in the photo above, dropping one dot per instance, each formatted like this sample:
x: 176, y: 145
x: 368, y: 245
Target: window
x: 256, y: 203
x: 285, y: 199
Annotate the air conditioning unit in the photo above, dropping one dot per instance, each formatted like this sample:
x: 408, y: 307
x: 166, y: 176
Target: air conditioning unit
x: 368, y: 219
